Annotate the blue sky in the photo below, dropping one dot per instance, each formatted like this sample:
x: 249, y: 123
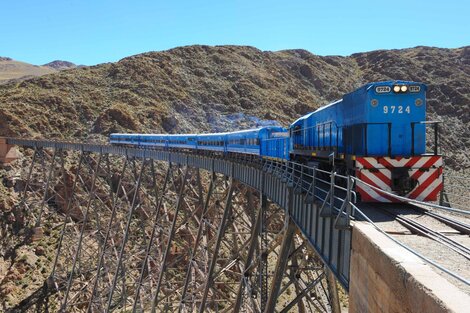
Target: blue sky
x: 95, y: 31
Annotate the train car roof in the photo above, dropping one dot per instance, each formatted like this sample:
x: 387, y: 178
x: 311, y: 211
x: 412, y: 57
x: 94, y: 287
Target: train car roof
x: 206, y: 134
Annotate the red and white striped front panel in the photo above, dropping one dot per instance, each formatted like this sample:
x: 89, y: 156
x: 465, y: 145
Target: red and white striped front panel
x: 377, y: 171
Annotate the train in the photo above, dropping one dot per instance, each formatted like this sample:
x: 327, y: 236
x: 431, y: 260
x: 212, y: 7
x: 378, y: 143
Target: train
x: 376, y: 133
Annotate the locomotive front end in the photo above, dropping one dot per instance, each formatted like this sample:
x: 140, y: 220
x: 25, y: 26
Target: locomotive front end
x: 394, y: 157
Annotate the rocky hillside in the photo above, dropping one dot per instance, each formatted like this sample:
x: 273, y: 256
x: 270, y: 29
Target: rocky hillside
x: 11, y: 70
x: 202, y: 88
x: 60, y: 65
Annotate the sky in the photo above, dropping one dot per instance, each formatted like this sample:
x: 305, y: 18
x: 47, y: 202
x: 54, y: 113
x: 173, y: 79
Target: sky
x: 95, y: 31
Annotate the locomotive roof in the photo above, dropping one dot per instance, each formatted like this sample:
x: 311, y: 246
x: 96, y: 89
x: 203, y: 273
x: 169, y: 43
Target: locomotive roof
x: 365, y: 87
x: 390, y: 83
x: 316, y: 111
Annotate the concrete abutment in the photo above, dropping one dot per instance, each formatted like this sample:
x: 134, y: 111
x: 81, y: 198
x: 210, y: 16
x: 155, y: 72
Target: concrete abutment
x: 8, y: 153
x: 387, y: 278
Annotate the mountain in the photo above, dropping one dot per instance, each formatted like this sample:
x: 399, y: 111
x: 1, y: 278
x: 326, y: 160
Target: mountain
x: 11, y: 70
x: 14, y: 70
x: 205, y: 88
x: 60, y: 65
x: 191, y: 89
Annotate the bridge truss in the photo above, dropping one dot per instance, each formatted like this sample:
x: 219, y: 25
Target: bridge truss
x: 149, y: 231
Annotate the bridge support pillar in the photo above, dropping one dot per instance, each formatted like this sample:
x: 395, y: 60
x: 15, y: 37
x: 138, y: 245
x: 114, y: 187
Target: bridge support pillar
x: 280, y: 267
x: 333, y: 291
x: 220, y: 234
x: 8, y: 153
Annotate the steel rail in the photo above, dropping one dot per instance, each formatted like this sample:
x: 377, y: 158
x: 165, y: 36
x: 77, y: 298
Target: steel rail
x: 451, y: 222
x: 460, y: 226
x: 430, y: 233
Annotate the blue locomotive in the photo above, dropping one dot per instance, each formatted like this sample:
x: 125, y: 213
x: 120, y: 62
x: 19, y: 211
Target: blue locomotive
x: 378, y: 119
x: 377, y: 132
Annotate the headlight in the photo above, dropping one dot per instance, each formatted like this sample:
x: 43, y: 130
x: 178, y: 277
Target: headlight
x: 396, y: 88
x: 403, y: 88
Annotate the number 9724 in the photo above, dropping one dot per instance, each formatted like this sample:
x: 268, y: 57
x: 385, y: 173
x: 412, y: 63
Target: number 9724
x: 396, y: 109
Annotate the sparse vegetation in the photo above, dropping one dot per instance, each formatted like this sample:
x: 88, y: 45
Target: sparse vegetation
x: 200, y: 88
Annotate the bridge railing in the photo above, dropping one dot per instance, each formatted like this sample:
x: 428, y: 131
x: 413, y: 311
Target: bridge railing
x: 334, y: 192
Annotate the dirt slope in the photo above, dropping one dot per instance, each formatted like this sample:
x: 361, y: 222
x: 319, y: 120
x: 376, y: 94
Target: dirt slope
x: 11, y: 70
x: 202, y: 88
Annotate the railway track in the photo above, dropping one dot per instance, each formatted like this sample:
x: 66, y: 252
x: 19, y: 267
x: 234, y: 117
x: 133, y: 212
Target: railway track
x: 458, y: 225
x: 419, y: 228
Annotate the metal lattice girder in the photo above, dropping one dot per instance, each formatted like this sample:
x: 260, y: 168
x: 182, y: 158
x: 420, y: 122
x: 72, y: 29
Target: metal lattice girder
x: 220, y: 234
x: 299, y: 271
x: 107, y: 233
x: 169, y: 242
x: 91, y: 199
x: 280, y: 268
x: 197, y: 242
x: 249, y: 258
x: 144, y: 270
x: 121, y: 213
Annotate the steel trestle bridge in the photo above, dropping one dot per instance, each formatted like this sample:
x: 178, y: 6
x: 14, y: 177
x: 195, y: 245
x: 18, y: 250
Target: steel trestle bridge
x: 145, y: 230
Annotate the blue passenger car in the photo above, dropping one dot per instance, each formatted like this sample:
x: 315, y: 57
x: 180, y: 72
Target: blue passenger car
x: 245, y: 141
x: 259, y: 141
x: 149, y: 140
x: 266, y: 141
x: 212, y: 142
x: 124, y: 139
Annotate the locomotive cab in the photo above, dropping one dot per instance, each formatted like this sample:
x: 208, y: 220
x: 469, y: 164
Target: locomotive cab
x: 297, y: 133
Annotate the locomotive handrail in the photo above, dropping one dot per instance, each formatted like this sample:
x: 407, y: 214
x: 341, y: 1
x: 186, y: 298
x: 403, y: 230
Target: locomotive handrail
x: 436, y: 134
